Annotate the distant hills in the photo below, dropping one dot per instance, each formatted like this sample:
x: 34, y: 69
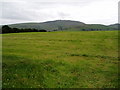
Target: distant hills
x: 58, y: 25
x: 117, y: 25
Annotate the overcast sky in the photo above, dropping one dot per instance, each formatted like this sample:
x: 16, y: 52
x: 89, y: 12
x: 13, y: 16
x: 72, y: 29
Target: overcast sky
x: 87, y: 11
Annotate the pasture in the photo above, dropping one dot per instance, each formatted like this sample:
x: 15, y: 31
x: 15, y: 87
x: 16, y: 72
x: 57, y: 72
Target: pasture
x: 64, y: 59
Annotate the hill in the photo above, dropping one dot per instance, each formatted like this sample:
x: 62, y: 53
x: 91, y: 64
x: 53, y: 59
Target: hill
x: 58, y: 25
x: 93, y: 27
x: 50, y: 25
x: 117, y: 25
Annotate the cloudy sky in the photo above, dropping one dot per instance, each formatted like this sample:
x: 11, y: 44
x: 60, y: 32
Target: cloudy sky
x: 87, y: 11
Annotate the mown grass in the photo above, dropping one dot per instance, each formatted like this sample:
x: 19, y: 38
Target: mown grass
x: 60, y: 60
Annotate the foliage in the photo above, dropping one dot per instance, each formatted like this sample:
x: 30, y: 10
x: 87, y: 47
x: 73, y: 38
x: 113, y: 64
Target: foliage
x: 7, y: 29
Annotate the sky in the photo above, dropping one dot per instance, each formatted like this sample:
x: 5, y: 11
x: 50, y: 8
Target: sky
x: 87, y: 11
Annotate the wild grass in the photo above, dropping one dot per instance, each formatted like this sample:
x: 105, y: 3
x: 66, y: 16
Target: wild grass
x: 60, y: 60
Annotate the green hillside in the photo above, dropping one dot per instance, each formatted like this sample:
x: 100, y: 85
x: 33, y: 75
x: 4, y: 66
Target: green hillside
x: 62, y: 25
x: 117, y: 25
x: 92, y: 27
x: 50, y: 25
x: 60, y: 59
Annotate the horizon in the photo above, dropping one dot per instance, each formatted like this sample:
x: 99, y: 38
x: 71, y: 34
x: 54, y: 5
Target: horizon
x: 57, y: 20
x: 86, y: 11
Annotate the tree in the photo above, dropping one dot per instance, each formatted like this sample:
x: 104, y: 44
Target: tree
x: 15, y: 30
x: 42, y: 30
x: 6, y: 29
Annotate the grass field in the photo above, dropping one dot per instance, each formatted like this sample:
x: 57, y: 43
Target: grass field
x: 60, y: 59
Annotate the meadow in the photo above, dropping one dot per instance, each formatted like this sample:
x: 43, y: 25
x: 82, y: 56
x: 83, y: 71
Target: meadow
x: 63, y: 59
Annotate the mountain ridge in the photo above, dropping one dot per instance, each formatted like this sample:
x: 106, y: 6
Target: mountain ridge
x: 57, y: 25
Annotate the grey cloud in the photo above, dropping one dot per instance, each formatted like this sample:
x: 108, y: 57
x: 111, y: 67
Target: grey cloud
x: 62, y: 15
x: 39, y: 10
x: 16, y: 12
x: 10, y: 11
x: 48, y: 1
x: 119, y: 12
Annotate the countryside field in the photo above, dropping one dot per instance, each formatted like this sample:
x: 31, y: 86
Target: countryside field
x: 74, y: 59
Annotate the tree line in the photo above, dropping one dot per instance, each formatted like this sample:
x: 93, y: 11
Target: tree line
x: 7, y: 29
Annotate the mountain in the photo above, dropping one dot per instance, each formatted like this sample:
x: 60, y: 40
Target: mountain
x: 93, y: 27
x: 50, y: 25
x: 64, y: 25
x: 116, y: 26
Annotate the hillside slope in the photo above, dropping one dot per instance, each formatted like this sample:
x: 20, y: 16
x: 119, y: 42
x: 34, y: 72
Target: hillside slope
x: 50, y: 25
x: 64, y: 25
x: 117, y: 25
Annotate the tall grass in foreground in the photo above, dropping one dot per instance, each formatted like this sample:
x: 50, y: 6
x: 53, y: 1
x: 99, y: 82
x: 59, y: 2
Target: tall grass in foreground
x: 60, y: 60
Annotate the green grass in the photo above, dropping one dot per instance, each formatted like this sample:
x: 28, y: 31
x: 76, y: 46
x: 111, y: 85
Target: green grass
x: 60, y: 60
